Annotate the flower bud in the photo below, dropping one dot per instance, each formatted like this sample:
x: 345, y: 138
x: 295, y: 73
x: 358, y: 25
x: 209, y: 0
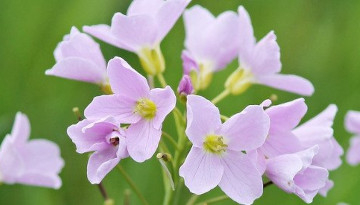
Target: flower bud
x: 185, y: 86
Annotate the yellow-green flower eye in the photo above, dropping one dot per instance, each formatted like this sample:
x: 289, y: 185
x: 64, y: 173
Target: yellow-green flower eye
x: 146, y: 108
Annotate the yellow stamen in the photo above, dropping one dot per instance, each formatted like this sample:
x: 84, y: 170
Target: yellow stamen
x: 214, y: 144
x: 146, y: 108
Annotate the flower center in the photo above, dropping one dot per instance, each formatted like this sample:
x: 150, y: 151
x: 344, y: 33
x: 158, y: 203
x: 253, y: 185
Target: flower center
x: 214, y: 144
x: 146, y: 108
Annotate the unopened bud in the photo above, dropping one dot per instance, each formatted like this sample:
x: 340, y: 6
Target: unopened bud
x: 185, y: 86
x: 164, y: 156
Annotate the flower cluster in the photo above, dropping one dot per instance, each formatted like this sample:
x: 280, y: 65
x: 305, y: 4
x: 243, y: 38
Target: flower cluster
x: 235, y: 153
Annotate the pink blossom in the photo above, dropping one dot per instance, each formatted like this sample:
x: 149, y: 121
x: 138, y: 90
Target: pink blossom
x: 352, y: 124
x: 216, y: 157
x: 211, y: 42
x: 294, y: 173
x: 319, y: 131
x: 134, y: 103
x: 33, y: 162
x: 259, y: 63
x: 78, y: 57
x: 103, y: 137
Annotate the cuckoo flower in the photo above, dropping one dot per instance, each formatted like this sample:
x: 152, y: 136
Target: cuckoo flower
x: 259, y: 63
x: 79, y: 57
x: 143, y: 28
x: 352, y: 124
x: 319, y: 131
x: 106, y: 139
x: 211, y: 42
x: 32, y: 162
x: 294, y: 173
x: 216, y: 157
x: 134, y: 103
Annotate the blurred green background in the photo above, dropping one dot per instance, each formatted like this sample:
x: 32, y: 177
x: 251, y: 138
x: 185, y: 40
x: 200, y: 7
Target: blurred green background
x: 319, y: 40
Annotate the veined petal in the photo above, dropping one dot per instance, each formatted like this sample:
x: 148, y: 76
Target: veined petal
x: 76, y: 68
x: 246, y: 36
x: 103, y: 32
x: 246, y: 130
x: 117, y: 106
x: 142, y: 140
x: 141, y: 30
x: 281, y: 143
x: 203, y: 118
x: 241, y: 180
x: 290, y: 83
x: 124, y: 80
x: 286, y: 116
x: 21, y: 129
x: 201, y: 171
x: 165, y: 101
x: 352, y: 122
x: 329, y: 155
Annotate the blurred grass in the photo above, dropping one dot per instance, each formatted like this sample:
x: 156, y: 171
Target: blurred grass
x: 319, y: 40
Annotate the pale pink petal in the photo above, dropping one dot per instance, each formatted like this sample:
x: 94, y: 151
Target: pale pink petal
x: 118, y: 106
x: 165, y: 101
x: 266, y: 56
x: 281, y: 143
x: 168, y: 14
x: 103, y: 161
x: 189, y: 63
x: 42, y: 163
x: 103, y: 32
x: 137, y: 31
x: 124, y: 80
x: 76, y: 68
x: 352, y: 122
x: 11, y: 163
x: 196, y: 20
x: 203, y: 118
x: 90, y: 136
x: 21, y: 129
x: 318, y: 128
x: 201, y: 171
x: 329, y: 185
x: 353, y: 153
x: 246, y: 36
x: 142, y: 140
x: 241, y: 180
x: 246, y: 130
x: 149, y: 7
x: 290, y: 83
x: 286, y: 116
x: 329, y: 155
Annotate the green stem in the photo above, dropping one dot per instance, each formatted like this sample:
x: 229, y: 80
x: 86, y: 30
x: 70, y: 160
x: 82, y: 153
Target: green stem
x: 213, y: 200
x: 171, y: 140
x: 162, y: 80
x: 192, y: 199
x: 132, y: 185
x: 221, y: 96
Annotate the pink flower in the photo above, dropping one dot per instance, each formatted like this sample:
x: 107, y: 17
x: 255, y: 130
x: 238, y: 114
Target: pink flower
x: 78, y: 57
x: 212, y: 42
x: 32, y: 162
x: 259, y: 63
x: 103, y: 137
x: 294, y: 173
x: 143, y: 28
x: 134, y: 103
x: 216, y: 157
x: 352, y: 124
x: 319, y: 131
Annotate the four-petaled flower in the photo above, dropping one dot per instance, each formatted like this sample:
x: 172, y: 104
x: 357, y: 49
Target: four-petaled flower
x: 259, y: 63
x: 216, y: 157
x: 33, y: 162
x: 134, y: 103
x: 106, y: 139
